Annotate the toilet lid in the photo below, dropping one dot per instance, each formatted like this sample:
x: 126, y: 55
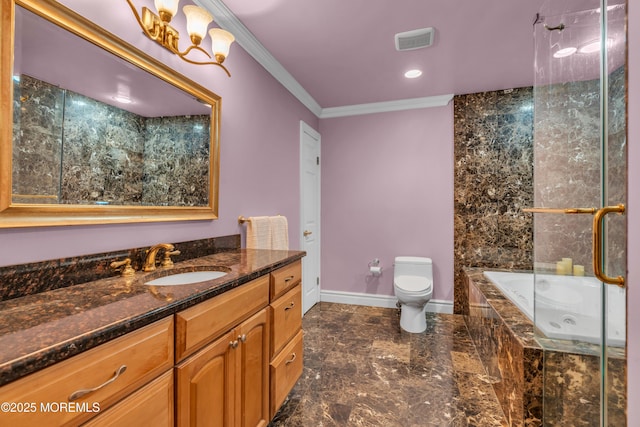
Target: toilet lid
x: 413, y: 283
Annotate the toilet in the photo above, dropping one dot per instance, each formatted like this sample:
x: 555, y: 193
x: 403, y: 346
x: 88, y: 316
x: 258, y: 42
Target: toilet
x: 413, y: 286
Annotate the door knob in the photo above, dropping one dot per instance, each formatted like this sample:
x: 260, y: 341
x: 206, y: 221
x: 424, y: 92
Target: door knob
x: 307, y: 232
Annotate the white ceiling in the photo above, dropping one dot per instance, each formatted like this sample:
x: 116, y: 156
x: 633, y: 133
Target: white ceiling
x: 337, y: 53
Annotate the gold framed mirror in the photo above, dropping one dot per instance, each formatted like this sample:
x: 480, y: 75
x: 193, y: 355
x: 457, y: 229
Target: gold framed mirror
x: 95, y: 131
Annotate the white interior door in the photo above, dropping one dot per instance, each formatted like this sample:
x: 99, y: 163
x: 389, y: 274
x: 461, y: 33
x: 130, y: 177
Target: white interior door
x: 310, y: 214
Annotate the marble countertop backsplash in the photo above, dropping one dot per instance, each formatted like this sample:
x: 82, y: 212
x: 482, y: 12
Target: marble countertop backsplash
x: 40, y: 329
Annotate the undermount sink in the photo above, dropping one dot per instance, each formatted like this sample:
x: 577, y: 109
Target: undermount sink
x: 187, y: 278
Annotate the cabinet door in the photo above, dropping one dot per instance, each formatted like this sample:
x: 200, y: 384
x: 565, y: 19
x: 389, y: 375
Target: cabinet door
x: 253, y: 372
x: 206, y: 385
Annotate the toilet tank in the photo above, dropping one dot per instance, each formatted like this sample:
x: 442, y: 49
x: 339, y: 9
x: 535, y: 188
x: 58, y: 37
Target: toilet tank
x: 413, y: 266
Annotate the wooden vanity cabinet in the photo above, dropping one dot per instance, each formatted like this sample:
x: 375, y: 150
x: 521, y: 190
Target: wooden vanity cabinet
x: 226, y: 383
x: 228, y: 361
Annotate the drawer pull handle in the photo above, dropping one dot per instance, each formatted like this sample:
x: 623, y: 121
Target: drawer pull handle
x: 242, y: 338
x: 289, y: 307
x: 288, y: 279
x: 83, y: 392
x: 293, y: 357
x: 233, y: 344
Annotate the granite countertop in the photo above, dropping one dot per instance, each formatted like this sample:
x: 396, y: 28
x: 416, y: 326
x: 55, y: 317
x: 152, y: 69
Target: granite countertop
x: 41, y: 329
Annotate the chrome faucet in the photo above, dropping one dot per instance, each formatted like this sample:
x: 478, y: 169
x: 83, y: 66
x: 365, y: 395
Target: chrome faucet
x: 150, y: 260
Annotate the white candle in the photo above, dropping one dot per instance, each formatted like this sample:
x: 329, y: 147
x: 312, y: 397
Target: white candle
x: 578, y: 270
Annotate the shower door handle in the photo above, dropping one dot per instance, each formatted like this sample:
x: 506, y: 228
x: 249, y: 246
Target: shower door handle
x: 598, y: 218
x: 597, y: 245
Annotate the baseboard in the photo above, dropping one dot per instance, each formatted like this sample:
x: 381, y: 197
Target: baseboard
x: 387, y: 301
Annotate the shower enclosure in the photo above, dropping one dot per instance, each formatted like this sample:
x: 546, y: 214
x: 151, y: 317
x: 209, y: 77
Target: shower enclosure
x: 580, y: 175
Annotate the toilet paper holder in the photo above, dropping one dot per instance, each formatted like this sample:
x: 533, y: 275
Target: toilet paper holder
x: 374, y: 267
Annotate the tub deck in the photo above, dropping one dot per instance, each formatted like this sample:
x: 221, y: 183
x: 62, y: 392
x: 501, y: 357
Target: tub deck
x: 557, y: 385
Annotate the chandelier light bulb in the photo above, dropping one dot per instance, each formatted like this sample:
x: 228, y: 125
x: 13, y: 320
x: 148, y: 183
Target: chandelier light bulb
x: 166, y: 8
x: 198, y: 19
x: 220, y: 43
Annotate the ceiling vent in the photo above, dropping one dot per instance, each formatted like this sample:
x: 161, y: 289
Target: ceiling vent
x: 415, y: 39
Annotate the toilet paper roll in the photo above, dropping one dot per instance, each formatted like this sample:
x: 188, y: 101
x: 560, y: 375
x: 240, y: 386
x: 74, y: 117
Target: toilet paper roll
x: 375, y: 270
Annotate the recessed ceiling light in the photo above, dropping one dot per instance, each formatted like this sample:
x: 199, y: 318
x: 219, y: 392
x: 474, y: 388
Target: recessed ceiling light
x: 567, y: 51
x: 412, y: 74
x: 598, y: 10
x: 122, y: 99
x: 591, y: 47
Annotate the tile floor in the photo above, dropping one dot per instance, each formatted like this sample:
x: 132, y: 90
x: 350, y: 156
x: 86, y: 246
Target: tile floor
x: 361, y: 369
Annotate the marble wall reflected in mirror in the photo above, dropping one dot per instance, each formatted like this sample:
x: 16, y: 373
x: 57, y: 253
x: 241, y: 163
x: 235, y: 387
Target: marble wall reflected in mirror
x: 72, y: 149
x: 99, y: 131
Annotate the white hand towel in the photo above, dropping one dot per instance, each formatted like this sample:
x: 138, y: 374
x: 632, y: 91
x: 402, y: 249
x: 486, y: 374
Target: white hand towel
x: 279, y: 233
x: 259, y: 233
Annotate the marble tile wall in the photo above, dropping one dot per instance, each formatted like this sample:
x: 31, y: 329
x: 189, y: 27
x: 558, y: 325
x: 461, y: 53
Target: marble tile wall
x: 33, y: 278
x: 617, y: 172
x: 494, y: 176
x: 69, y: 148
x: 37, y: 141
x: 176, y: 161
x: 568, y: 164
x: 567, y: 135
x: 493, y: 150
x: 102, y: 154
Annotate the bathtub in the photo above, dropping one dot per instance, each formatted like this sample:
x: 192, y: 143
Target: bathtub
x: 566, y: 307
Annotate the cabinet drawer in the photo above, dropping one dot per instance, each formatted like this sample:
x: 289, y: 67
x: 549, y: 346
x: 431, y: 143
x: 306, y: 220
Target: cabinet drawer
x: 286, y: 318
x: 285, y: 278
x: 201, y: 324
x: 152, y: 405
x: 285, y: 370
x: 146, y: 353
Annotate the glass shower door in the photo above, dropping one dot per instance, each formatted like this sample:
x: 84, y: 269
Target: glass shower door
x: 579, y: 229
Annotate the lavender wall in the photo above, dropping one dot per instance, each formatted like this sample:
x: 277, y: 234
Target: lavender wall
x: 259, y: 156
x: 633, y: 220
x: 387, y: 190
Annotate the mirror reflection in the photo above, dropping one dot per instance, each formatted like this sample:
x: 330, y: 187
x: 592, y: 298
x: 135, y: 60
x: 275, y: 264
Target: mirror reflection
x: 94, y: 130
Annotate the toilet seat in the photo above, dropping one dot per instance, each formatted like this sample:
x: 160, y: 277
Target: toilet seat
x: 413, y: 284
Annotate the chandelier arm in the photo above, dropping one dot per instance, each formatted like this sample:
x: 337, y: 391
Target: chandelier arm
x: 190, y: 48
x: 205, y: 63
x: 137, y: 15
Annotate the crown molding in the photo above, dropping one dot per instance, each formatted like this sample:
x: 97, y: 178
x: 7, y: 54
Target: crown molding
x: 228, y: 21
x: 387, y: 106
x: 225, y: 18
